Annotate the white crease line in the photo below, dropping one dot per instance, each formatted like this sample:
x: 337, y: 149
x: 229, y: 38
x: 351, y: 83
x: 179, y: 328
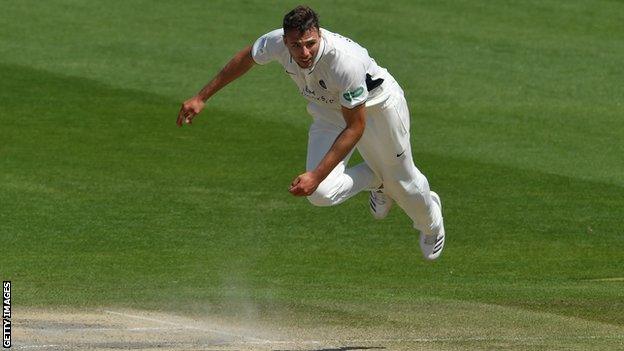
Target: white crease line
x: 253, y: 339
x: 87, y: 329
x: 155, y: 328
x: 37, y: 346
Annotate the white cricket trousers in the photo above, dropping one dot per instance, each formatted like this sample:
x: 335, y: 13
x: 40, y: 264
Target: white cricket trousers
x: 386, y: 150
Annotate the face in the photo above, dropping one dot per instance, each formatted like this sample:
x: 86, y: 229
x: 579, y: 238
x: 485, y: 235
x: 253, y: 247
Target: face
x: 303, y: 46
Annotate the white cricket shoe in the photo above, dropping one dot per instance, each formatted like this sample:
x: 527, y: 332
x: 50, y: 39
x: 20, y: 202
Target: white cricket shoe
x: 432, y: 245
x: 380, y: 204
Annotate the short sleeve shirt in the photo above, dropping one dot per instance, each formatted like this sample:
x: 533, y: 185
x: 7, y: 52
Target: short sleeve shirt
x: 340, y: 75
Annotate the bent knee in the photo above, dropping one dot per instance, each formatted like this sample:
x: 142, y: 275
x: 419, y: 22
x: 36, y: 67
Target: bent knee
x: 320, y: 200
x: 322, y: 197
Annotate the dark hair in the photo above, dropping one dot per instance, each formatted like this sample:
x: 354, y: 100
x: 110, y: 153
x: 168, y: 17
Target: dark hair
x: 301, y: 18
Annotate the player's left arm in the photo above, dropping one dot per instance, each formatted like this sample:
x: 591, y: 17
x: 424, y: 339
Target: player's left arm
x: 305, y: 184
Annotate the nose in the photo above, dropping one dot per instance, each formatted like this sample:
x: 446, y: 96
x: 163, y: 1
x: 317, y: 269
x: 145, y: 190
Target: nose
x: 305, y: 51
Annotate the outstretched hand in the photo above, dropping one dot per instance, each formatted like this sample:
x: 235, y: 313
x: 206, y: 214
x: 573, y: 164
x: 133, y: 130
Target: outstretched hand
x: 190, y: 108
x: 304, y: 185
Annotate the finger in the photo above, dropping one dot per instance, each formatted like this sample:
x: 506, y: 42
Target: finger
x: 295, y: 181
x: 296, y: 190
x: 180, y: 116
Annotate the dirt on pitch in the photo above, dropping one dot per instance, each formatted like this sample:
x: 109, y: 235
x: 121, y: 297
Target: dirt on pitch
x: 109, y: 329
x: 457, y: 326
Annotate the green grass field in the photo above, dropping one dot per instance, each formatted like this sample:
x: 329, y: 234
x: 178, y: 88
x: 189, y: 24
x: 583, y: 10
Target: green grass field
x: 517, y: 121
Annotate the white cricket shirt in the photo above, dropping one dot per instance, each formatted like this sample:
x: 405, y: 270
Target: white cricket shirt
x: 338, y: 76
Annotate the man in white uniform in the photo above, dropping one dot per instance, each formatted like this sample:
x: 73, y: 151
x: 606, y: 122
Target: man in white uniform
x: 354, y: 103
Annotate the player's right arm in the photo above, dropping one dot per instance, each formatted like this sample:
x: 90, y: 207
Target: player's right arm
x: 238, y: 65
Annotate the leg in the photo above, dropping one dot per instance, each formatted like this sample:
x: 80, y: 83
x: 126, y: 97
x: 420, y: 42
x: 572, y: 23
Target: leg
x: 386, y: 147
x: 342, y: 183
x: 410, y: 189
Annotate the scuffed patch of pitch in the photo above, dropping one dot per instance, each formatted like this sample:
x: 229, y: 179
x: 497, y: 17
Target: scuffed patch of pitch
x: 434, y: 325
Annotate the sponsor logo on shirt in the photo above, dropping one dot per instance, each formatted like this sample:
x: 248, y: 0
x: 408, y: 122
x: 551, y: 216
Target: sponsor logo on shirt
x: 350, y: 95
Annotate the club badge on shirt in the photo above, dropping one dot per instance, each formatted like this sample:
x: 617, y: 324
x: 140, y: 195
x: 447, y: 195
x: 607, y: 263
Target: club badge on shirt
x: 350, y: 95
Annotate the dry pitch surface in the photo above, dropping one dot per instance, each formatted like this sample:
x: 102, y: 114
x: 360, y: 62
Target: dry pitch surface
x: 108, y: 329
